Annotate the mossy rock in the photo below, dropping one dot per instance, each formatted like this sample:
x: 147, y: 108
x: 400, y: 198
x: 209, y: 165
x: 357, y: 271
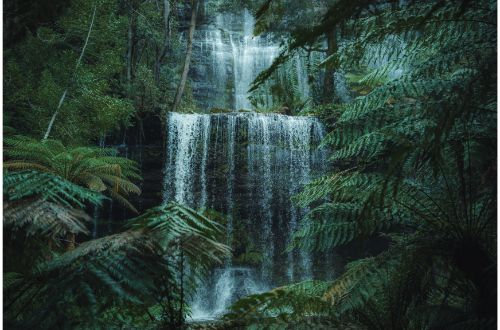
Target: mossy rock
x: 220, y: 110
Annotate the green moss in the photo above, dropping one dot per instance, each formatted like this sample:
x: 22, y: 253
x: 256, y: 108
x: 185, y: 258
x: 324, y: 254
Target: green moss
x: 220, y: 110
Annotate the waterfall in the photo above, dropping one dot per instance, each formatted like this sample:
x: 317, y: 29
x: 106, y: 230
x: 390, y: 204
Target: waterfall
x: 231, y: 140
x: 259, y: 166
x: 245, y: 166
x: 251, y: 55
x: 185, y: 133
x: 228, y: 57
x: 206, y: 141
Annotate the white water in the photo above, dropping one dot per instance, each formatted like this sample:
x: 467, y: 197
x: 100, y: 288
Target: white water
x: 243, y: 165
x: 230, y: 58
x: 227, y: 285
x: 246, y: 166
x: 259, y: 166
x: 251, y: 56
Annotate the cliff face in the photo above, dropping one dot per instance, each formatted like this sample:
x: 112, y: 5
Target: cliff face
x: 142, y: 143
x: 226, y: 59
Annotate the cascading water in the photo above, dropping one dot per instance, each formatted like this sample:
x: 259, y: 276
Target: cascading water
x: 251, y: 55
x: 227, y: 59
x: 245, y: 166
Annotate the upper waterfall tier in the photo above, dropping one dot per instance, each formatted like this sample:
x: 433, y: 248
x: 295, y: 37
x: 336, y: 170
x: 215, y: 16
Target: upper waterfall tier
x: 227, y: 58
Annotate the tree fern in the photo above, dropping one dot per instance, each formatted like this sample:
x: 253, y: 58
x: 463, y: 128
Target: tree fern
x: 98, y: 169
x: 284, y: 304
x: 412, y: 162
x: 132, y: 266
x: 44, y: 204
x: 48, y: 186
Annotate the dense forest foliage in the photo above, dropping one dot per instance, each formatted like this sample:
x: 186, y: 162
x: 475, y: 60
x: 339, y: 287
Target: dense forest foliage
x: 408, y: 200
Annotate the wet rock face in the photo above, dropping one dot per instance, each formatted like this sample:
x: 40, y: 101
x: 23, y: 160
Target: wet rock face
x: 143, y: 144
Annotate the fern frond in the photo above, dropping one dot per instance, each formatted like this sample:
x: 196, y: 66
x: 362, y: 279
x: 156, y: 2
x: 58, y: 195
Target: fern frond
x: 98, y: 169
x: 40, y: 217
x: 50, y: 187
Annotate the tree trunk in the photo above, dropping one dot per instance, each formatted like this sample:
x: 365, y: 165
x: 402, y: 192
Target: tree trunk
x: 166, y: 28
x: 130, y: 48
x: 329, y: 82
x: 187, y: 60
x: 63, y: 97
x: 157, y: 68
x: 162, y: 52
x: 71, y: 242
x: 51, y: 122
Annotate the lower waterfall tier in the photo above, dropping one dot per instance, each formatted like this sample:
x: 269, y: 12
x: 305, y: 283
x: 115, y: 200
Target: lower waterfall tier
x: 243, y: 168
